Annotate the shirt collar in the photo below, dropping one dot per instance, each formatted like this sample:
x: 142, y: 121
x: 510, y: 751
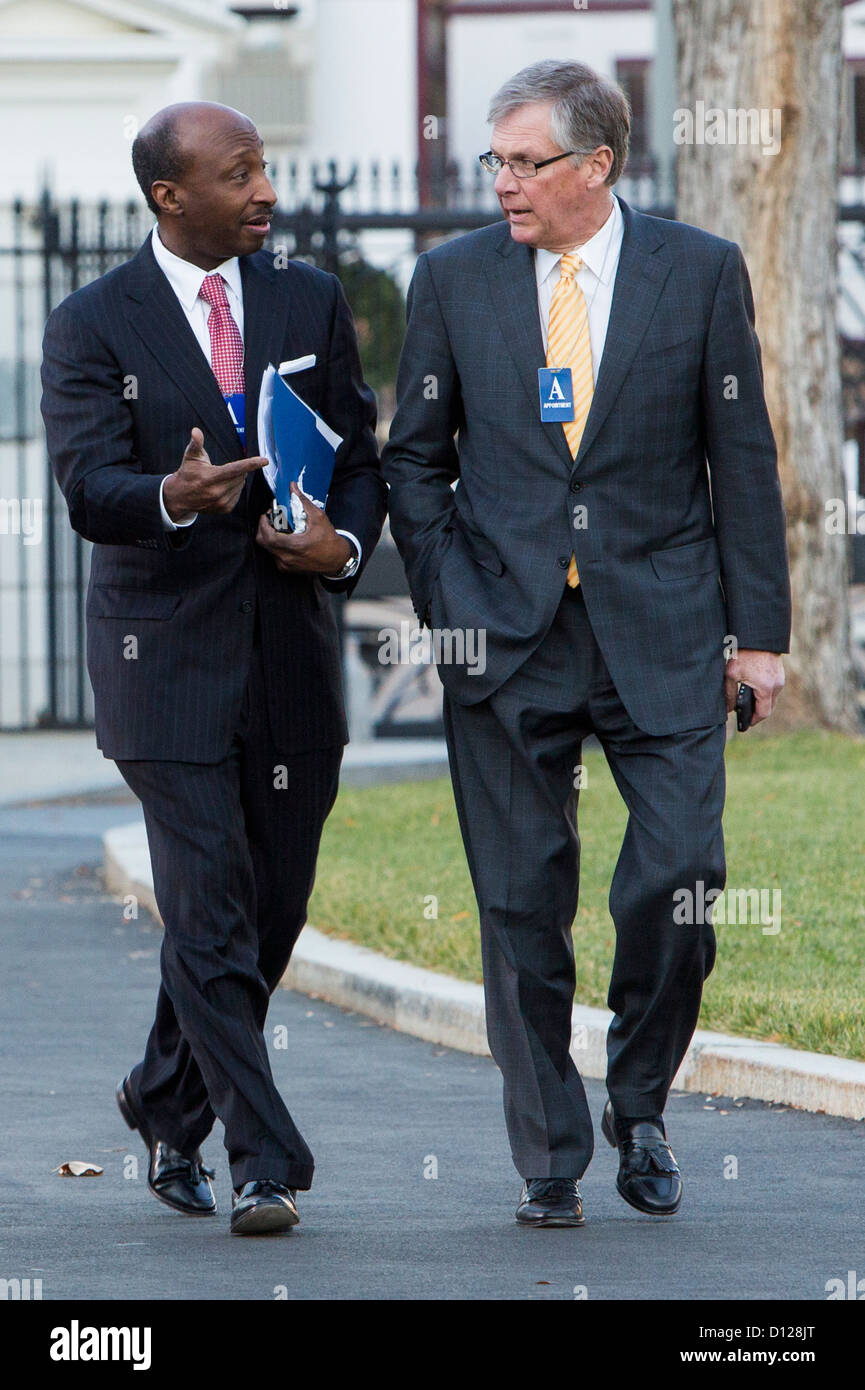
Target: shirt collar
x: 594, y: 253
x: 186, y: 279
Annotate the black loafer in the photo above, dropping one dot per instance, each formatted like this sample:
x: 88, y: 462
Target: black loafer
x: 179, y: 1182
x: 263, y: 1208
x: 649, y: 1177
x: 550, y: 1202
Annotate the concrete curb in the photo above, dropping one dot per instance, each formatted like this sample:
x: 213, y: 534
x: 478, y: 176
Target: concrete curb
x: 450, y: 1012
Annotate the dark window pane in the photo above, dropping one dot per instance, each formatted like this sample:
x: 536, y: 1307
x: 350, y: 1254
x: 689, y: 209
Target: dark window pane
x: 633, y: 78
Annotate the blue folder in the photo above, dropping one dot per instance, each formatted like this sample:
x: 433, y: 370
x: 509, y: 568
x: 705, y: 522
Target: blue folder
x: 300, y: 446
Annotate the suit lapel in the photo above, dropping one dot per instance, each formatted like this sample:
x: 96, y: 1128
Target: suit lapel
x: 159, y: 320
x: 644, y: 265
x: 511, y: 271
x: 640, y: 278
x: 265, y: 318
x: 514, y: 286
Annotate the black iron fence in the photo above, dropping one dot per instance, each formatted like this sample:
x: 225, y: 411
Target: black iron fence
x: 364, y: 224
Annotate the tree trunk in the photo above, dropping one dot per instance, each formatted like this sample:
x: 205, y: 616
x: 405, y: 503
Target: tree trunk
x: 782, y: 57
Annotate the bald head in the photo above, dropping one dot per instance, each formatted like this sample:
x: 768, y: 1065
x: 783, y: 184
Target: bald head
x: 201, y: 168
x: 168, y: 143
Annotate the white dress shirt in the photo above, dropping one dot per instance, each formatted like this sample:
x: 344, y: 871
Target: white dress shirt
x: 596, y: 278
x: 186, y: 280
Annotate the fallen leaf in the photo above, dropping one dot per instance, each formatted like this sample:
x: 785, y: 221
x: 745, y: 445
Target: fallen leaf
x: 74, y: 1168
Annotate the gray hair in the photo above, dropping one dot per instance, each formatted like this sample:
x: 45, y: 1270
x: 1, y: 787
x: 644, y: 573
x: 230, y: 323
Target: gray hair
x: 587, y: 109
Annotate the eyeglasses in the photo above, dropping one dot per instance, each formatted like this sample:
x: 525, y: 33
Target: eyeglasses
x: 520, y: 168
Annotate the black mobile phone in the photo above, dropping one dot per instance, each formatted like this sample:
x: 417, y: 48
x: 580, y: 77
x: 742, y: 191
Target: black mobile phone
x: 744, y: 708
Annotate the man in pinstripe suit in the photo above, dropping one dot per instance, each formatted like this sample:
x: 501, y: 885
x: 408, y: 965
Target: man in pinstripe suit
x: 212, y: 644
x: 608, y: 571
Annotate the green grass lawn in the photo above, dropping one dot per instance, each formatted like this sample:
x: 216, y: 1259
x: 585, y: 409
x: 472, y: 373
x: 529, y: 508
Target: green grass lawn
x: 795, y: 821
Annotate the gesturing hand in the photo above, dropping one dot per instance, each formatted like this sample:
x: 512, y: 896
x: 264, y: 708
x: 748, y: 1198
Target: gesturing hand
x: 319, y: 548
x: 200, y: 486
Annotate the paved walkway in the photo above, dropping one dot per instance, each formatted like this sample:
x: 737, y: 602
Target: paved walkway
x: 378, y: 1109
x: 51, y: 763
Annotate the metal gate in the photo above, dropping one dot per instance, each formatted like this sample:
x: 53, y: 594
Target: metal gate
x: 366, y: 226
x: 49, y: 250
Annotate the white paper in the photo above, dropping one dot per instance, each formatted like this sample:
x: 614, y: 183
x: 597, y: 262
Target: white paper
x: 297, y: 364
x: 265, y: 426
x: 333, y: 439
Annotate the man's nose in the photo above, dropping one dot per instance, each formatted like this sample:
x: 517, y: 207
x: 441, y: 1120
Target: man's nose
x: 266, y: 193
x: 505, y: 182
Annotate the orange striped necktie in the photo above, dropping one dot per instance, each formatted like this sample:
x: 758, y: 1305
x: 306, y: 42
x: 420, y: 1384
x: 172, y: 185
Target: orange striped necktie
x: 569, y: 345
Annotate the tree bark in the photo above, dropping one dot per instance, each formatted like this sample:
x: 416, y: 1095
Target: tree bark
x: 784, y: 56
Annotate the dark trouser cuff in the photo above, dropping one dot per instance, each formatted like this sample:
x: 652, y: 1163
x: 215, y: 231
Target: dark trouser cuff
x: 296, y: 1175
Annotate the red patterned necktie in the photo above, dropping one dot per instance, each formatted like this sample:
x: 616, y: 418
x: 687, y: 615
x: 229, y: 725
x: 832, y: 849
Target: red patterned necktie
x: 226, y: 344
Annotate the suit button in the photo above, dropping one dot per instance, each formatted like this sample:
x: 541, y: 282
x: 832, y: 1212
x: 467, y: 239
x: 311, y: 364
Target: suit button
x: 247, y: 606
x: 576, y: 485
x: 564, y: 561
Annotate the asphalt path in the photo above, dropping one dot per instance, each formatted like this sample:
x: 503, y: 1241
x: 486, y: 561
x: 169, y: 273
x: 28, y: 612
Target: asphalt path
x: 414, y: 1190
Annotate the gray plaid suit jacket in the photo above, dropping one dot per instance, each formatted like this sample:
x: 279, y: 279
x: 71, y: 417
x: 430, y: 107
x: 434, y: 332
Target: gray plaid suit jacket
x: 682, y: 538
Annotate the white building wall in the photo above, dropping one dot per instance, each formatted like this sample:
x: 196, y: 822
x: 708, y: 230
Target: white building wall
x: 483, y: 52
x: 364, y: 85
x: 76, y: 82
x: 854, y: 30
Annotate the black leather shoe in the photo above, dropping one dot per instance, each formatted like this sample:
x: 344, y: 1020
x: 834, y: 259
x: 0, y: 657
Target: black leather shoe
x: 649, y: 1177
x: 263, y: 1208
x: 550, y: 1202
x: 181, y: 1183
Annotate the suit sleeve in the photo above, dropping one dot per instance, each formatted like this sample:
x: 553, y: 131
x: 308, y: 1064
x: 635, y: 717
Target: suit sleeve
x: 748, y: 509
x: 88, y: 429
x: 357, y: 500
x: 421, y: 460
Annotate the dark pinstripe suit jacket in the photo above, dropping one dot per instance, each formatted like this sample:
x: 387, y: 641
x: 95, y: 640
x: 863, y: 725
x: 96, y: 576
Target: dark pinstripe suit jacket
x: 669, y: 564
x: 124, y: 381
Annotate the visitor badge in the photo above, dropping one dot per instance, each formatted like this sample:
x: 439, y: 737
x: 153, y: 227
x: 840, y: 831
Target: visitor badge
x: 556, y: 394
x: 237, y: 410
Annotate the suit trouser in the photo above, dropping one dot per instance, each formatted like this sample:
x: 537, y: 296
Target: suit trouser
x: 514, y: 761
x: 233, y: 847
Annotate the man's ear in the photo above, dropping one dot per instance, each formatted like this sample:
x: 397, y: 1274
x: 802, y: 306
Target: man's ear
x: 601, y: 162
x: 165, y: 196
